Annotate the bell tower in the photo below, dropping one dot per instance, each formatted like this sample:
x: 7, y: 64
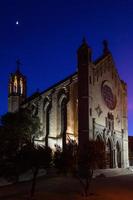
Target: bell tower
x: 84, y: 55
x: 16, y: 89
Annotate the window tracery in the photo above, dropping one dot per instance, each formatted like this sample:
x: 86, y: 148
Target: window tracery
x: 110, y: 121
x: 21, y: 86
x: 15, y: 85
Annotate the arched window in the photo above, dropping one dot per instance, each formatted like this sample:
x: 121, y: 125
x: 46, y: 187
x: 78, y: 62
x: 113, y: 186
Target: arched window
x: 110, y: 121
x: 46, y: 119
x: 34, y: 109
x: 21, y: 86
x: 101, y: 146
x: 63, y: 98
x: 15, y: 85
x: 109, y: 155
x: 47, y: 125
x: 63, y: 118
x: 118, y: 151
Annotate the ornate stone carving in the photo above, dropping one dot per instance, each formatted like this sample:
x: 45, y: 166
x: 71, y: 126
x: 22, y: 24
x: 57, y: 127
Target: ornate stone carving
x: 98, y: 110
x: 117, y: 119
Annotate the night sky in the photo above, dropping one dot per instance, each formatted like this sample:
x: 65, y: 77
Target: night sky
x: 49, y: 33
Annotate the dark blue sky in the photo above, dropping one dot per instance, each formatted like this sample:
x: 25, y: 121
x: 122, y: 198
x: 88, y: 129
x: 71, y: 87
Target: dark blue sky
x: 49, y: 33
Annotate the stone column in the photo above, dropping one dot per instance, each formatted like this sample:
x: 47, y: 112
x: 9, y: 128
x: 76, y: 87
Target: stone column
x: 84, y: 60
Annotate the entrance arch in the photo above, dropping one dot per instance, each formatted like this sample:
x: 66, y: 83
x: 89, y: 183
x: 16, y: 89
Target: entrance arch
x: 109, y: 156
x: 101, y: 145
x: 118, y: 154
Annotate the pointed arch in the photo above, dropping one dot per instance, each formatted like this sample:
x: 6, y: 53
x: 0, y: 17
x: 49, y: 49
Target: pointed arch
x: 46, y: 118
x: 99, y: 138
x: 101, y: 145
x: 34, y: 109
x: 109, y: 154
x: 118, y: 154
x: 62, y: 115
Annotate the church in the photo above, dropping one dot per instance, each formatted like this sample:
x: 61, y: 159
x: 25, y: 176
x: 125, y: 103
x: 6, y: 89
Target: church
x: 89, y: 104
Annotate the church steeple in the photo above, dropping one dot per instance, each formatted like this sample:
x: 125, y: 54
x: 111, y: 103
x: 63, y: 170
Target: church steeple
x: 105, y: 47
x: 84, y: 53
x: 17, y: 89
x: 84, y: 65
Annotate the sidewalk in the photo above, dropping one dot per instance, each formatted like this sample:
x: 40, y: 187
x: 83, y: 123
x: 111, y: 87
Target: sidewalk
x: 68, y: 188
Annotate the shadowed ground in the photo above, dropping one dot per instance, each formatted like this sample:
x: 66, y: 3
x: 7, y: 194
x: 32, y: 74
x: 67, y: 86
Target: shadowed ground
x: 66, y: 188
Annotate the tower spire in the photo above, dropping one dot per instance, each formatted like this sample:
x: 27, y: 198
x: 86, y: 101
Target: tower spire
x: 84, y: 52
x: 105, y: 47
x: 84, y: 41
x: 17, y: 89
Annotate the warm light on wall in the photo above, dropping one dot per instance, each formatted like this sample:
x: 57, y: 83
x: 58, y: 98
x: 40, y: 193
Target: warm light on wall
x: 21, y: 86
x: 15, y: 84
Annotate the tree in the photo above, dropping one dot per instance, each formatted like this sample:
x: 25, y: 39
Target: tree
x: 18, y: 151
x: 17, y: 129
x: 67, y: 162
x: 94, y: 158
x: 34, y: 157
x: 22, y: 124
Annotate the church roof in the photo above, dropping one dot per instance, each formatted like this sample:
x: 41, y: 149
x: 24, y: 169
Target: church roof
x: 37, y: 94
x: 59, y: 82
x: 106, y: 55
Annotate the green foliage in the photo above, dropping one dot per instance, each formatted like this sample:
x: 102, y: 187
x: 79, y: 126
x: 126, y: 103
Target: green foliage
x: 65, y: 161
x: 21, y: 125
x: 68, y: 161
x: 17, y: 130
x: 35, y: 156
x: 18, y: 151
x: 93, y: 158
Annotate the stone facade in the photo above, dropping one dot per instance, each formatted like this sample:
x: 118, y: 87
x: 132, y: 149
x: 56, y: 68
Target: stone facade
x: 107, y: 119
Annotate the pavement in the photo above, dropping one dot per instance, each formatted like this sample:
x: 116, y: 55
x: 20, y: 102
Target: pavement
x: 116, y: 187
x: 113, y: 172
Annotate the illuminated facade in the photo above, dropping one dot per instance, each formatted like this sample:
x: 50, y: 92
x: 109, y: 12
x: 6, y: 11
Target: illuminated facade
x: 16, y: 90
x: 91, y: 103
